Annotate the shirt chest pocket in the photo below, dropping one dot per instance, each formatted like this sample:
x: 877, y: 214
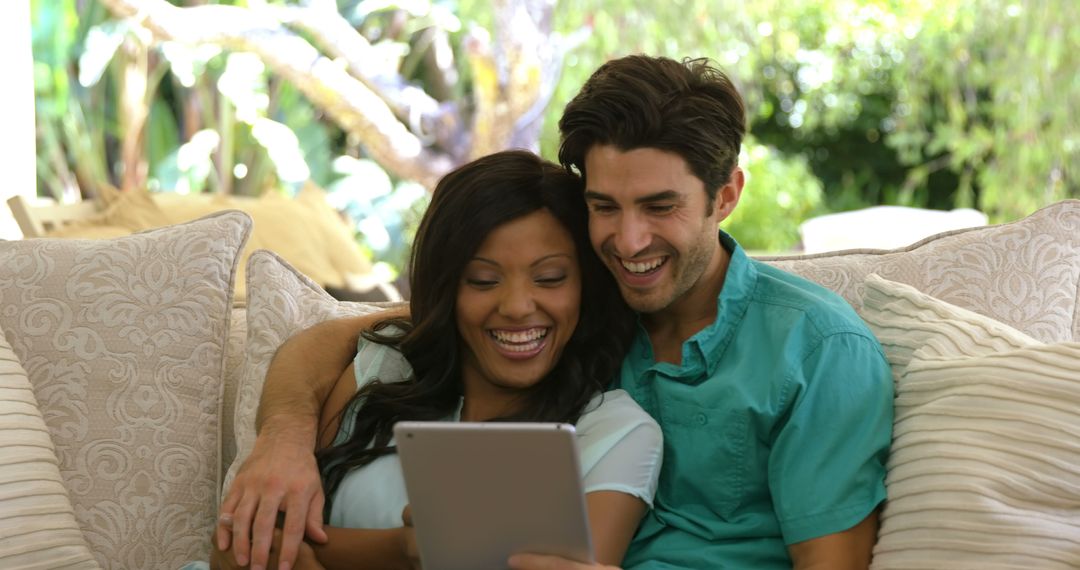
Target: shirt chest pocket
x: 705, y: 460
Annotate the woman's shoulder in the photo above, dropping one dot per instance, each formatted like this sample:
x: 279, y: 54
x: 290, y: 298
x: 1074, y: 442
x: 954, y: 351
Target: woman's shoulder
x: 614, y: 411
x: 621, y: 446
x: 375, y: 360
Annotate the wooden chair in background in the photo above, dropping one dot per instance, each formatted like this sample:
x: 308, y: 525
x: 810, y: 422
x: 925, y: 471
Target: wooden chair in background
x: 36, y: 220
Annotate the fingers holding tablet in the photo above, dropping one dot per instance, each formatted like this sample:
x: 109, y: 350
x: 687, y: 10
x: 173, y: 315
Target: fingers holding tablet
x: 412, y: 552
x: 544, y: 562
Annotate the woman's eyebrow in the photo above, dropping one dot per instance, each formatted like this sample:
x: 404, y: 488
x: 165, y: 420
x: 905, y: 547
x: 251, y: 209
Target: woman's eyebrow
x: 533, y: 264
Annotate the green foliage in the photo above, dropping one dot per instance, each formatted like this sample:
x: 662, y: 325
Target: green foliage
x: 780, y: 192
x: 993, y: 87
x: 935, y: 104
x: 851, y: 103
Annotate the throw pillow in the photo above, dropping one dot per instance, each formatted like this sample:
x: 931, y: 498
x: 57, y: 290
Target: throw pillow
x: 1025, y: 274
x: 984, y: 470
x: 37, y: 523
x: 124, y: 343
x: 281, y: 302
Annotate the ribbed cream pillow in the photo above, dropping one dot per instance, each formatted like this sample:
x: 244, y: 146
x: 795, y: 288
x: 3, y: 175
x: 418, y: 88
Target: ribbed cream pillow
x: 37, y: 523
x: 984, y: 470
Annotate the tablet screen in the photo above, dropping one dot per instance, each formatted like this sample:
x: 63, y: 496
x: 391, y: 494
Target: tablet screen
x: 480, y: 492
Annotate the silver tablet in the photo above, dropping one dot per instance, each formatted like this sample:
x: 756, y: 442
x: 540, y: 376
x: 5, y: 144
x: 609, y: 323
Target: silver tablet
x: 483, y: 491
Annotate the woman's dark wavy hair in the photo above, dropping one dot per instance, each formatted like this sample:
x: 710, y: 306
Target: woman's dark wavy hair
x: 688, y: 108
x: 466, y: 206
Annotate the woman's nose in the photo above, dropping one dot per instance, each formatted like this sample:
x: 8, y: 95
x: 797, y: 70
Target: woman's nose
x: 517, y: 301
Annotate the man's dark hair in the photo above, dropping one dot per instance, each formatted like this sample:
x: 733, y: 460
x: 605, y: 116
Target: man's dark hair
x: 688, y: 108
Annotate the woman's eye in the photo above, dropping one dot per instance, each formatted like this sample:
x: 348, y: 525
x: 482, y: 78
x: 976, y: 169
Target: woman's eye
x: 551, y: 279
x: 481, y: 283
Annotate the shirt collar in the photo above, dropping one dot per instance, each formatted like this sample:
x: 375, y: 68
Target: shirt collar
x: 739, y: 283
x: 702, y: 352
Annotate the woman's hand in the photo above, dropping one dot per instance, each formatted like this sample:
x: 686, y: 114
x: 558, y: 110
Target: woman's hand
x: 539, y: 562
x: 408, y: 533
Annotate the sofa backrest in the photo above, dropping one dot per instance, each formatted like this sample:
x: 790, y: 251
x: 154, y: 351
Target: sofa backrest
x: 1025, y: 273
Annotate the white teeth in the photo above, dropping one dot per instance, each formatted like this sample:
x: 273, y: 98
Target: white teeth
x: 519, y: 341
x: 642, y: 266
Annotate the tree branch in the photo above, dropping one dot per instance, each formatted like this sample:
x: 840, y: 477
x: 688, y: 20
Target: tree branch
x: 348, y: 101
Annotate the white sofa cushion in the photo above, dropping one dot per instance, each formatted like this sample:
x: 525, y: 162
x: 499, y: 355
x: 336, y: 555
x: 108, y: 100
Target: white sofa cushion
x: 37, y: 523
x: 1025, y: 274
x: 281, y: 301
x: 124, y: 344
x: 984, y: 470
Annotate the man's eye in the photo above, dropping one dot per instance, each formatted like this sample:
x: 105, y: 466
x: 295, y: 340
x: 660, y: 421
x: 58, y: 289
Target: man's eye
x: 661, y: 208
x: 602, y: 208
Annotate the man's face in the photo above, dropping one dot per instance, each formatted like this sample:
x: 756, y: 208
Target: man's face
x: 651, y: 223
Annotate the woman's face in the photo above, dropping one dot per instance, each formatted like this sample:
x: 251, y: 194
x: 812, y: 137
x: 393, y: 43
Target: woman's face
x: 517, y: 305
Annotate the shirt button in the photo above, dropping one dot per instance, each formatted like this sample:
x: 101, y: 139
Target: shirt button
x: 701, y: 419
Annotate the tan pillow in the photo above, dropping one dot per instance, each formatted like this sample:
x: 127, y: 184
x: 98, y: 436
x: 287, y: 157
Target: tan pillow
x: 124, y: 343
x: 122, y: 213
x: 1025, y: 274
x: 37, y: 523
x: 984, y: 469
x: 281, y: 302
x: 306, y: 232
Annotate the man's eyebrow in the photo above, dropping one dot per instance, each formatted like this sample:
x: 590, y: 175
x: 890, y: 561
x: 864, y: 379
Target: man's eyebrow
x: 594, y: 195
x: 663, y: 196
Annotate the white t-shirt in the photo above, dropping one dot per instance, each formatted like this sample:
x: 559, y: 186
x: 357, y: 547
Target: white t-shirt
x: 621, y: 450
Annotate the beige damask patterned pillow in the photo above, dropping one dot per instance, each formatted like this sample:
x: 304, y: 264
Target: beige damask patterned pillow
x: 281, y: 301
x: 37, y: 523
x: 123, y: 341
x: 1025, y: 273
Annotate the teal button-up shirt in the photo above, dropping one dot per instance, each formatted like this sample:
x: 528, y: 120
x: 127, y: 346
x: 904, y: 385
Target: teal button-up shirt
x: 776, y: 424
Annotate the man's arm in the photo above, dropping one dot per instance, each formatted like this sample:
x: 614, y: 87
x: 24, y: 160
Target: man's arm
x: 281, y: 473
x: 846, y: 550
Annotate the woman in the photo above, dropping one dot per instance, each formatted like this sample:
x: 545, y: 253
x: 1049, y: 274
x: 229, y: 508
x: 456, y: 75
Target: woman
x: 512, y: 318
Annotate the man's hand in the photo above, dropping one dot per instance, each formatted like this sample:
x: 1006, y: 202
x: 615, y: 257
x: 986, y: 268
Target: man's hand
x: 540, y: 562
x: 279, y: 475
x: 305, y: 558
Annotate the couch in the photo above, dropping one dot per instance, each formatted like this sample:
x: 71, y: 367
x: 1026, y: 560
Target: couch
x: 129, y: 377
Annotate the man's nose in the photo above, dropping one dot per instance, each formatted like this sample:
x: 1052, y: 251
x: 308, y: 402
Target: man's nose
x: 632, y: 236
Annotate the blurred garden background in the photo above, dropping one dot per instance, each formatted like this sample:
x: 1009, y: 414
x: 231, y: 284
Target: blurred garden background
x: 936, y: 104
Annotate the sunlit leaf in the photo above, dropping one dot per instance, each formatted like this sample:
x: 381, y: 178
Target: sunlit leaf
x: 186, y: 170
x: 243, y: 83
x: 101, y: 44
x: 284, y: 150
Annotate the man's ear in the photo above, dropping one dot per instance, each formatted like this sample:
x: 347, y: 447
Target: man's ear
x: 727, y: 197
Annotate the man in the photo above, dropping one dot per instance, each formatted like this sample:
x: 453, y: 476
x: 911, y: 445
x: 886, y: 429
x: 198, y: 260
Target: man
x: 774, y: 398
